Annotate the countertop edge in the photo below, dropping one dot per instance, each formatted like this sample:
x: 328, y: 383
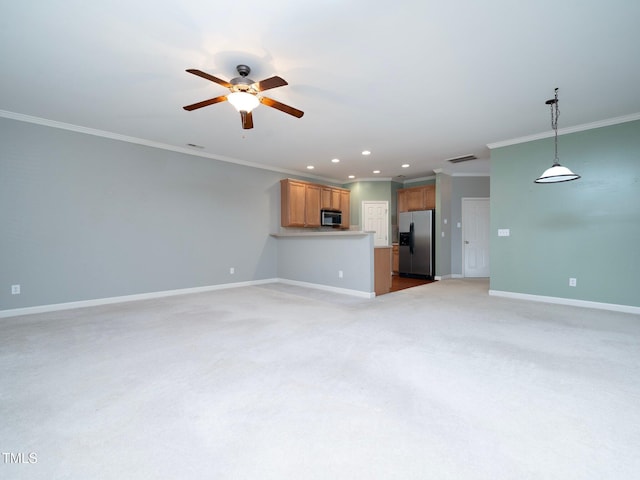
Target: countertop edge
x: 346, y: 233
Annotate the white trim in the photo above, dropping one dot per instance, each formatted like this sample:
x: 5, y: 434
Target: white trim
x: 421, y: 179
x: 149, y: 143
x: 126, y: 298
x: 442, y: 277
x: 170, y: 293
x: 567, y: 301
x: 457, y: 275
x: 328, y: 288
x: 563, y: 131
x: 365, y: 179
x: 471, y: 174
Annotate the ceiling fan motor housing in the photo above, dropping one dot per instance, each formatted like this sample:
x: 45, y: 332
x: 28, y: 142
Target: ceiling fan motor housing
x: 243, y: 70
x: 243, y: 83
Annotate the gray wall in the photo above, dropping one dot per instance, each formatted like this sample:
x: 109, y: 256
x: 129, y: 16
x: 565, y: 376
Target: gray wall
x: 318, y: 259
x: 85, y: 217
x: 463, y: 187
x: 587, y: 229
x: 443, y: 224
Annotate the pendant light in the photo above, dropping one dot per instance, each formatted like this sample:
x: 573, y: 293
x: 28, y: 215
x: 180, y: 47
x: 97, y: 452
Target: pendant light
x: 557, y: 173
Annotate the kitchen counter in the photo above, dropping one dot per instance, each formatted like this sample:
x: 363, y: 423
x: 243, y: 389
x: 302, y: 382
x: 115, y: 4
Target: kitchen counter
x: 323, y: 233
x: 338, y: 260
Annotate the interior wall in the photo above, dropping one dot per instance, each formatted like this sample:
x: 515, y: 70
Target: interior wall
x: 92, y: 218
x: 588, y: 229
x: 443, y: 224
x: 463, y: 187
x: 319, y: 260
x: 368, y: 191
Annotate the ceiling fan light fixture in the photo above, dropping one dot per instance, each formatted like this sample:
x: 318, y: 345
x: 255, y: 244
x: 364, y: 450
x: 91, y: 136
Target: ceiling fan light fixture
x: 242, y: 101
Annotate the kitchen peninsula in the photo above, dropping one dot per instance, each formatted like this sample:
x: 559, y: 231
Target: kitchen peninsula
x: 335, y: 260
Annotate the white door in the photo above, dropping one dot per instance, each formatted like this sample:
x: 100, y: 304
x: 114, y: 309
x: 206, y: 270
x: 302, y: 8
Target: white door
x: 375, y: 218
x: 475, y: 237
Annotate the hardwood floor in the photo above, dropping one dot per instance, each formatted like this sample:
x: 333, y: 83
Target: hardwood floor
x: 400, y: 283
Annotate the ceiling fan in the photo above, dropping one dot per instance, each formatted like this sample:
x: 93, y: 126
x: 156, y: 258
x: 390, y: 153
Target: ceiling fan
x: 244, y: 94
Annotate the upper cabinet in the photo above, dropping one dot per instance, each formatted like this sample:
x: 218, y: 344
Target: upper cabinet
x: 417, y: 198
x: 301, y: 202
x: 345, y: 207
x: 331, y: 198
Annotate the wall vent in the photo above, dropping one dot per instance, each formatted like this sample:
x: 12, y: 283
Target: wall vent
x: 463, y: 158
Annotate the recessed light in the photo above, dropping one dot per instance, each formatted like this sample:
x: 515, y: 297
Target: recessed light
x: 336, y: 160
x: 310, y: 167
x: 366, y: 152
x: 352, y: 176
x: 405, y: 165
x: 376, y: 171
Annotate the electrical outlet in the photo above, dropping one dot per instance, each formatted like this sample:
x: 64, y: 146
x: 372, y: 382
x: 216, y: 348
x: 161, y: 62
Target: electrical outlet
x: 232, y: 270
x: 15, y: 289
x: 340, y: 274
x: 573, y: 282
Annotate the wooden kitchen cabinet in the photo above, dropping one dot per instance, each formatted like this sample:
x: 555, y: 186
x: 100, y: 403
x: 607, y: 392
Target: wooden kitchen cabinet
x: 382, y: 270
x: 417, y: 198
x: 331, y: 198
x: 301, y: 202
x: 430, y: 197
x: 313, y: 194
x: 395, y: 263
x: 292, y: 203
x: 345, y: 208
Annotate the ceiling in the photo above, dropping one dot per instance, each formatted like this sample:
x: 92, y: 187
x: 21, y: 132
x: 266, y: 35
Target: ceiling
x: 415, y: 82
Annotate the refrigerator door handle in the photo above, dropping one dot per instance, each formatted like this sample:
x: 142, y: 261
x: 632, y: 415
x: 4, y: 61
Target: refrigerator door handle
x: 411, y: 238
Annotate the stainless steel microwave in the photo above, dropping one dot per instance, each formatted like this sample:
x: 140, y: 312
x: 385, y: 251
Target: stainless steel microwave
x: 330, y: 218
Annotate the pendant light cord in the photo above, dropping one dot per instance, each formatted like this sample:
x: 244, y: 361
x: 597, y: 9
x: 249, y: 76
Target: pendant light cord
x: 554, y: 122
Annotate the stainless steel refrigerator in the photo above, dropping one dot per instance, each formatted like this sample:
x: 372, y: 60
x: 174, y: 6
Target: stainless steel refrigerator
x: 416, y: 244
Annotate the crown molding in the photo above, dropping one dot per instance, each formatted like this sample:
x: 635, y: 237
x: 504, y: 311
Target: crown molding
x: 563, y: 131
x: 421, y: 179
x: 148, y: 143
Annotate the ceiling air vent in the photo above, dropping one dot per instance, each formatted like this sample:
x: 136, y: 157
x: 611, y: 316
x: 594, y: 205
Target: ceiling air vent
x: 463, y: 158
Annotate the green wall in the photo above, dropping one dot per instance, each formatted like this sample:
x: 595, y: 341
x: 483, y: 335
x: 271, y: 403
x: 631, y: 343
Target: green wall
x: 369, y: 191
x: 588, y: 229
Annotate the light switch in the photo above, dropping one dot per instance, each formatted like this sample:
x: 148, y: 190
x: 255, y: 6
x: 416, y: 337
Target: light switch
x: 503, y: 232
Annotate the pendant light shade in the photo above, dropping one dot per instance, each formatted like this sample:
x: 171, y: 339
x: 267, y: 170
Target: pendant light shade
x: 557, y: 173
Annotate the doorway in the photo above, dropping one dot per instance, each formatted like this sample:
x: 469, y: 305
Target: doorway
x: 475, y: 237
x: 375, y: 218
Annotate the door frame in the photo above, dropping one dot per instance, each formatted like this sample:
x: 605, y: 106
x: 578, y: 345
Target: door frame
x: 463, y: 257
x: 364, y: 208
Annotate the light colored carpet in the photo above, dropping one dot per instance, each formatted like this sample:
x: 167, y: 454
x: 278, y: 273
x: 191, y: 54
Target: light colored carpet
x: 280, y: 382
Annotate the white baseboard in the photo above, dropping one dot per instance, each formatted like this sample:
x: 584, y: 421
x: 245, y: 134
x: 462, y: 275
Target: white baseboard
x: 442, y: 277
x: 457, y: 275
x: 126, y: 298
x: 328, y: 288
x: 169, y: 293
x: 567, y: 301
